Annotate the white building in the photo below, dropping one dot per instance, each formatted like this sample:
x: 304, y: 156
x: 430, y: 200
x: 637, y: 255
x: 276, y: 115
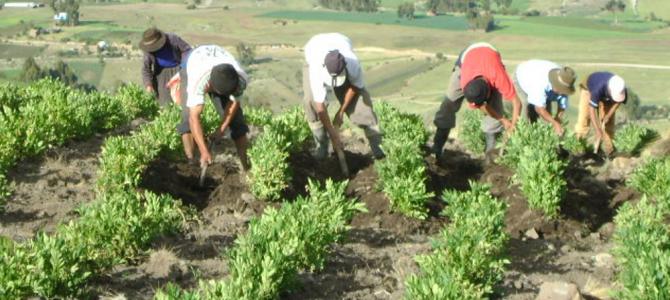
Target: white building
x: 22, y: 5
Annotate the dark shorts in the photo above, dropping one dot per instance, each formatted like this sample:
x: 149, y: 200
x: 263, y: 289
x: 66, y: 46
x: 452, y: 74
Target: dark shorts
x: 238, y: 126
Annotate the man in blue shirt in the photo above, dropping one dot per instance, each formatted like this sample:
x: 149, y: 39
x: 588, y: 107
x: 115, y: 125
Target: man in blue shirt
x: 601, y: 95
x: 163, y: 54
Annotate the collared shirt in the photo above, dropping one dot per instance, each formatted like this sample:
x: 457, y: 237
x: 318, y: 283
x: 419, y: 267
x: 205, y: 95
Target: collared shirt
x: 482, y: 59
x: 199, y: 68
x: 316, y: 50
x: 533, y: 79
x: 597, y: 84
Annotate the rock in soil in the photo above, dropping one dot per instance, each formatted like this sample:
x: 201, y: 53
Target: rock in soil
x: 559, y: 291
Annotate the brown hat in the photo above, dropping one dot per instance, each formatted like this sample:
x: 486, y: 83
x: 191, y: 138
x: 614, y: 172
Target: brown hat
x: 563, y: 80
x: 152, y: 40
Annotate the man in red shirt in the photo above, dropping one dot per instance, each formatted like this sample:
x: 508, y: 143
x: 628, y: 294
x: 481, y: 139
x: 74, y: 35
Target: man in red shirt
x: 479, y: 76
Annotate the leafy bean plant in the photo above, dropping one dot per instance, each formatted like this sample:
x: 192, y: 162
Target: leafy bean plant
x: 278, y: 245
x: 468, y: 256
x: 532, y: 152
x: 116, y: 227
x: 574, y: 145
x: 642, y: 250
x: 632, y: 137
x: 470, y: 132
x: 652, y: 178
x: 402, y: 174
x: 48, y: 113
x: 257, y: 116
x: 270, y: 172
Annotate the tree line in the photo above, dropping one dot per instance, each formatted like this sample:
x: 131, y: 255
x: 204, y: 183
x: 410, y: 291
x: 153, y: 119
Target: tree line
x: 351, y: 5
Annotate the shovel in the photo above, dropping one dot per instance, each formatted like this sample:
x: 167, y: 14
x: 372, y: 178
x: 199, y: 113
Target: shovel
x: 203, y: 167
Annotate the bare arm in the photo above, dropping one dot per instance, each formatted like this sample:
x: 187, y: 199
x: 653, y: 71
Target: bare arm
x: 494, y: 114
x: 231, y: 109
x: 609, y: 114
x: 559, y: 115
x: 197, y: 132
x: 349, y: 96
x: 516, y: 110
x: 547, y: 117
x: 593, y: 114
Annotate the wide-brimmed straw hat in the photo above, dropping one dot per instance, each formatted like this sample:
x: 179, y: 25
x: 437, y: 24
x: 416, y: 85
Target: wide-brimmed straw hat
x: 563, y: 80
x: 152, y: 40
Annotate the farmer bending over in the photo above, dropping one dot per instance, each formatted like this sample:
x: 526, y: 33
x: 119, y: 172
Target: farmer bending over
x: 478, y: 76
x: 162, y: 56
x: 211, y: 70
x: 601, y: 95
x: 331, y: 62
x: 541, y: 82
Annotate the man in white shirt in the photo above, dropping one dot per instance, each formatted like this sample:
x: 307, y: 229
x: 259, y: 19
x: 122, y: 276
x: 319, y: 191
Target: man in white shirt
x: 331, y: 62
x: 212, y: 70
x: 542, y: 82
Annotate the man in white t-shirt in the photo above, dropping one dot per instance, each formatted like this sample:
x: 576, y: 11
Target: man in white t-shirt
x: 212, y: 70
x: 542, y: 82
x: 331, y: 63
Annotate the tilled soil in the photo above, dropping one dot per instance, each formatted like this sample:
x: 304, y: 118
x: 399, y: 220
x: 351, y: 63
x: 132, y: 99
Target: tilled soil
x: 378, y: 252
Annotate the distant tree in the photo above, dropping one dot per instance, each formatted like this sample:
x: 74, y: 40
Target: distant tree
x: 478, y: 20
x: 70, y: 7
x: 503, y: 5
x: 634, y: 4
x: 406, y: 10
x: 351, y: 5
x: 31, y: 71
x: 62, y: 72
x: 246, y: 53
x: 613, y: 6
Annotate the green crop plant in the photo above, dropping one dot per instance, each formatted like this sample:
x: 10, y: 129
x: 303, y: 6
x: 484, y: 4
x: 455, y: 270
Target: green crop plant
x: 402, y: 174
x: 642, y: 251
x: 470, y: 132
x: 541, y: 176
x: 257, y: 116
x: 270, y: 173
x: 47, y: 113
x: 652, y: 178
x: 468, y: 256
x: 574, y: 145
x: 539, y: 136
x: 632, y: 137
x: 119, y: 225
x: 268, y: 257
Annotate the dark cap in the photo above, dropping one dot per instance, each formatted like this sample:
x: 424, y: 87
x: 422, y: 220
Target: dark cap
x: 152, y: 40
x: 563, y: 80
x: 334, y: 63
x: 224, y: 79
x: 477, y: 91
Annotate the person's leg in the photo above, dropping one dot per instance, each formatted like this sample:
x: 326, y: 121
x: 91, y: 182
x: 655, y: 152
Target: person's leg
x: 583, y: 123
x: 445, y: 117
x: 318, y: 130
x: 490, y: 126
x: 164, y: 97
x: 184, y: 127
x: 361, y: 113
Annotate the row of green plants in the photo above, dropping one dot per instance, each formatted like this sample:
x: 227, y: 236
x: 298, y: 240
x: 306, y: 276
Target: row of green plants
x: 642, y: 235
x: 277, y: 246
x: 116, y: 227
x: 402, y: 174
x: 532, y: 151
x: 282, y: 135
x: 470, y: 132
x: 48, y: 113
x: 631, y: 138
x: 468, y: 259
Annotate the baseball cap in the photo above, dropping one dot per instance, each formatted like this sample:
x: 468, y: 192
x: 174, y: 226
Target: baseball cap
x: 477, y: 91
x: 336, y: 67
x: 224, y: 79
x: 617, y: 88
x: 563, y: 80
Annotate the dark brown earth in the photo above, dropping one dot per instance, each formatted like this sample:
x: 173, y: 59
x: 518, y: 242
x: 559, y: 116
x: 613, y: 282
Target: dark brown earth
x: 377, y: 255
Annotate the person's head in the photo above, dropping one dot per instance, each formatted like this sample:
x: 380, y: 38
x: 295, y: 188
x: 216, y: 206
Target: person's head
x: 152, y: 40
x: 336, y: 67
x: 563, y: 80
x: 477, y: 91
x: 617, y: 88
x: 224, y: 80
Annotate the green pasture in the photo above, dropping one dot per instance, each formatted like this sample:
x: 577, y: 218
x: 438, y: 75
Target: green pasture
x: 448, y: 22
x: 19, y: 51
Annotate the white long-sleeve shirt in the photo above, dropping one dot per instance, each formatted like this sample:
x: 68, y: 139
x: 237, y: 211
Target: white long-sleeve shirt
x: 316, y: 50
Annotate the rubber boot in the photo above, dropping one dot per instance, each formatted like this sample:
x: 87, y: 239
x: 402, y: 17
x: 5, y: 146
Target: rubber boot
x: 440, y: 138
x: 374, y: 136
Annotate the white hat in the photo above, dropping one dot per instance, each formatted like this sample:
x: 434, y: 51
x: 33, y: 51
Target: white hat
x: 617, y: 87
